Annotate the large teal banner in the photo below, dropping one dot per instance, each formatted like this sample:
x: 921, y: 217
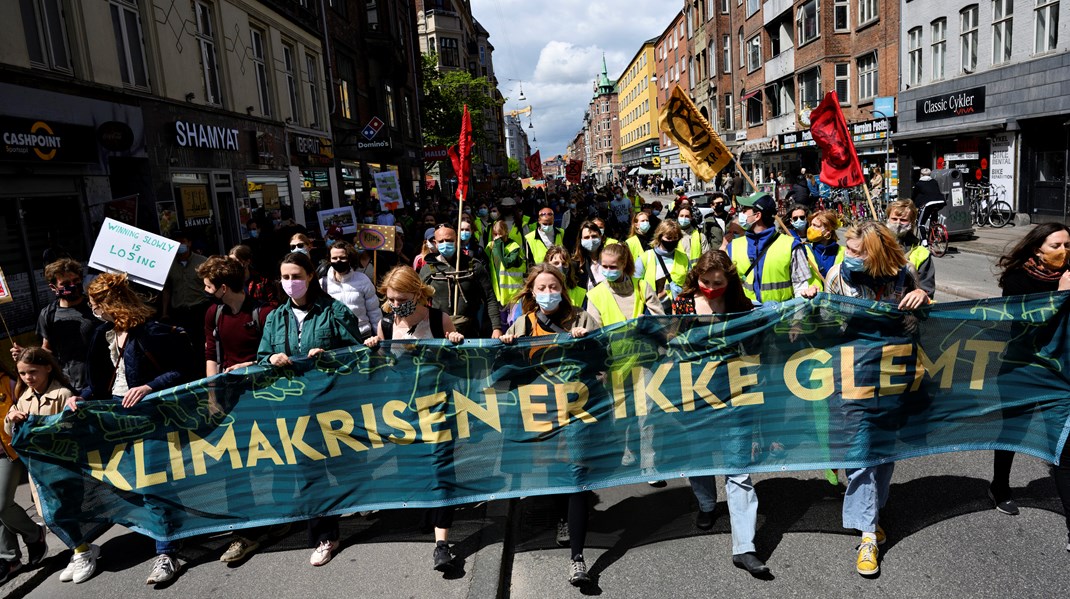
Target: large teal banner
x: 802, y: 385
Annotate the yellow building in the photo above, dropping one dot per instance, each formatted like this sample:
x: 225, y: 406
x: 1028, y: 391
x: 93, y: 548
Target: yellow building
x: 637, y: 101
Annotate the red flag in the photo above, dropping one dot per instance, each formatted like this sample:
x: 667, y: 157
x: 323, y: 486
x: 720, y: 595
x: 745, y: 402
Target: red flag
x: 574, y: 171
x: 839, y: 161
x: 461, y: 155
x: 535, y: 165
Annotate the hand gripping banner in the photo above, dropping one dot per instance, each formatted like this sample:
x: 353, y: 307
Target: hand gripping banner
x: 803, y: 385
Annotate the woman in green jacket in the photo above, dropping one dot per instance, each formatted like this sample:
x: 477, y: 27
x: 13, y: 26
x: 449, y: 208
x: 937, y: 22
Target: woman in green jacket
x: 308, y: 323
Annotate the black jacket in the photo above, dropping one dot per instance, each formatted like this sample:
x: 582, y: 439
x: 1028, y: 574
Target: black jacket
x: 475, y: 295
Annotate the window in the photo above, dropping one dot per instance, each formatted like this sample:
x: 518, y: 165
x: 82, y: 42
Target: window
x: 712, y: 67
x: 774, y: 41
x: 391, y: 113
x: 810, y: 88
x: 206, y: 40
x: 1046, y: 26
x: 46, y: 34
x: 968, y: 38
x: 126, y: 23
x: 753, y: 6
x: 372, y: 13
x: 1002, y: 30
x: 867, y: 77
x: 938, y: 29
x: 754, y: 53
x: 726, y: 54
x: 729, y: 121
x: 256, y: 42
x: 346, y: 85
x: 449, y: 52
x: 843, y: 82
x: 841, y: 15
x: 807, y: 22
x: 780, y: 98
x: 724, y: 7
x: 914, y: 56
x: 754, y: 110
x: 311, y: 69
x: 867, y: 11
x: 289, y: 67
x: 742, y: 51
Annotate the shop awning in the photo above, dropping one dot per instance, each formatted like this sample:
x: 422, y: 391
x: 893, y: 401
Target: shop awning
x: 749, y: 95
x: 649, y: 171
x: 962, y: 128
x: 634, y: 170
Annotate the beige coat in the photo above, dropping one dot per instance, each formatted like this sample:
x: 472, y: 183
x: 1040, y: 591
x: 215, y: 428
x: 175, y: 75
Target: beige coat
x: 50, y: 402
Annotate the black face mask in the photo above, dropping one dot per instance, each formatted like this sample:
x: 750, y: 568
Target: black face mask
x: 670, y: 245
x: 215, y: 299
x: 341, y: 267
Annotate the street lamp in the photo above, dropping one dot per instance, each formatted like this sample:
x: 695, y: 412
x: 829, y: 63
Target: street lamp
x: 887, y: 152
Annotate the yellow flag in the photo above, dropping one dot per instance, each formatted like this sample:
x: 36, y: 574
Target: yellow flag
x: 700, y: 146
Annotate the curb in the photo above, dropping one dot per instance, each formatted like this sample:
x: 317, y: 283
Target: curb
x: 963, y: 292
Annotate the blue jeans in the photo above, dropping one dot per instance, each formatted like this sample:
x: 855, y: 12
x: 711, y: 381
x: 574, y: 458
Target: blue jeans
x: 742, y: 506
x: 867, y: 492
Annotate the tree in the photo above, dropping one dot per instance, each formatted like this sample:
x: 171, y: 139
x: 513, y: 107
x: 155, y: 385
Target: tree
x: 444, y: 95
x: 514, y: 167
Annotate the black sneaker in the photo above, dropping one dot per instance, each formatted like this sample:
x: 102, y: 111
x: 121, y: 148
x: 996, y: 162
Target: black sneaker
x: 704, y: 520
x: 35, y: 552
x: 751, y: 563
x: 1004, y: 503
x: 8, y: 569
x: 442, y: 557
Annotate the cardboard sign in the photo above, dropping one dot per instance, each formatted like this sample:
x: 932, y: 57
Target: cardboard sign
x: 145, y: 257
x: 5, y: 291
x: 196, y: 209
x: 389, y: 190
x: 375, y: 237
x: 344, y: 218
x: 271, y: 196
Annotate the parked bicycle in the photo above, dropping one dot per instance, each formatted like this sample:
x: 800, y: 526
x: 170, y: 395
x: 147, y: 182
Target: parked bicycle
x: 987, y: 205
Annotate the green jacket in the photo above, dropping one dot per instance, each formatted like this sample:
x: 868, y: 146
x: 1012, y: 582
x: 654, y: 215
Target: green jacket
x: 329, y: 325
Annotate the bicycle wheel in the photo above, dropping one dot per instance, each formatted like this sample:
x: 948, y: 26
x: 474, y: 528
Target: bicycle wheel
x: 937, y: 239
x: 1000, y: 214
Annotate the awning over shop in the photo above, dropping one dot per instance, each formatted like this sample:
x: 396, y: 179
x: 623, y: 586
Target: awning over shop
x: 749, y: 95
x: 962, y: 128
x: 633, y: 171
x: 648, y: 171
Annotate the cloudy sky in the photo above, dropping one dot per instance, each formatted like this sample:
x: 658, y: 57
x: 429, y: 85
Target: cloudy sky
x: 555, y: 47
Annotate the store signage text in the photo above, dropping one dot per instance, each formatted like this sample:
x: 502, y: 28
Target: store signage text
x: 197, y: 135
x: 971, y: 101
x: 40, y: 141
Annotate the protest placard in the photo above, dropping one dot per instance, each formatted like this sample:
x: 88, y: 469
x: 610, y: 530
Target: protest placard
x: 343, y: 218
x: 145, y: 257
x: 389, y: 190
x: 375, y: 237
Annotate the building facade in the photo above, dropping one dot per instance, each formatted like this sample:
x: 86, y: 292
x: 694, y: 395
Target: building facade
x: 163, y: 115
x: 986, y: 90
x: 602, y: 158
x: 516, y: 143
x: 673, y: 67
x: 637, y: 99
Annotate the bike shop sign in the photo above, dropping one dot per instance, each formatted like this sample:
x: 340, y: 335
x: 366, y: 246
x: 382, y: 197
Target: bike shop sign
x: 970, y: 101
x: 1001, y: 164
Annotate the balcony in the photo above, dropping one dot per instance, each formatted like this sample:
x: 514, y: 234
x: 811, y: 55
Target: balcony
x: 780, y: 66
x: 780, y: 124
x: 771, y: 9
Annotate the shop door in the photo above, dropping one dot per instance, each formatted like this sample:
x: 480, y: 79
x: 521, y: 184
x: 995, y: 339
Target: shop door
x: 1050, y: 186
x: 33, y: 232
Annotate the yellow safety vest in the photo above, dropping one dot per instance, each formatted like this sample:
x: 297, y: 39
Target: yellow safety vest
x: 538, y: 248
x: 635, y: 246
x: 577, y: 295
x: 695, y: 251
x: 516, y: 233
x: 917, y: 256
x: 677, y: 272
x: 601, y: 297
x: 776, y: 270
x: 509, y: 280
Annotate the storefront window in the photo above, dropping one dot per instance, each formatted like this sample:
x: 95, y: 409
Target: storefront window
x: 1051, y: 167
x: 352, y: 184
x: 316, y: 191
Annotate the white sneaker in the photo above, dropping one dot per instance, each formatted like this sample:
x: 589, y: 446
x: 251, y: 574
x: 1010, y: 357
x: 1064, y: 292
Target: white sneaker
x: 323, y: 553
x: 163, y: 569
x: 82, y: 567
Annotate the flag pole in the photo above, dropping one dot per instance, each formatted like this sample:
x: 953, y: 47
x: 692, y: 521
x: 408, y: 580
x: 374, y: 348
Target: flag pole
x: 457, y: 267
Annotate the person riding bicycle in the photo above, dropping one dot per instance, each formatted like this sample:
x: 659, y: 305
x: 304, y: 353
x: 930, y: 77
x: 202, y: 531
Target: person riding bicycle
x: 902, y: 220
x: 927, y: 194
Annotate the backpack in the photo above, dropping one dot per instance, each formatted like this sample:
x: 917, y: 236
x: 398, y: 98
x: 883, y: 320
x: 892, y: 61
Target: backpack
x: 215, y: 329
x: 182, y: 346
x: 434, y: 314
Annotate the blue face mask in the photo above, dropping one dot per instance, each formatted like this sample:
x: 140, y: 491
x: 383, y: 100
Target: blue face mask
x: 684, y: 221
x: 254, y: 233
x: 447, y: 248
x: 183, y: 248
x: 643, y: 226
x: 853, y: 264
x: 611, y: 275
x: 482, y: 212
x: 546, y: 229
x: 799, y: 224
x: 466, y: 235
x: 742, y: 219
x: 591, y: 244
x: 548, y: 301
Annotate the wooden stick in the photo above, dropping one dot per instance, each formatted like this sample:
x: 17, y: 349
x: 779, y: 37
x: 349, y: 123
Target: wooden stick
x: 6, y: 330
x: 869, y: 200
x: 457, y: 243
x: 375, y: 267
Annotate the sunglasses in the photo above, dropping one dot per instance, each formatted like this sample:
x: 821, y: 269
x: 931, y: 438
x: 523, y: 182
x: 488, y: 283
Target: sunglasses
x: 297, y: 246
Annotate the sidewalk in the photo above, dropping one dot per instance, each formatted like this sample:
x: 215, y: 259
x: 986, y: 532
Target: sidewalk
x: 991, y: 241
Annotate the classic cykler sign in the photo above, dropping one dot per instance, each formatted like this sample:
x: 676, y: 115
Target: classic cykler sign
x: 961, y: 103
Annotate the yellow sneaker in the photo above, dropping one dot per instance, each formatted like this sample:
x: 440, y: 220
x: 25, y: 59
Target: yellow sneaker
x: 867, y: 559
x: 881, y: 537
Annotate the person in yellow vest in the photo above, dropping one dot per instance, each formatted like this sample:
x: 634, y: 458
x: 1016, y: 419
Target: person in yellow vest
x: 824, y: 247
x: 507, y: 265
x: 903, y: 221
x: 544, y: 236
x: 640, y: 235
x: 635, y: 199
x: 623, y: 297
x: 693, y: 242
x: 773, y: 265
x: 664, y: 267
x: 606, y: 240
x: 586, y: 257
x: 559, y: 258
x: 484, y: 220
x: 517, y: 223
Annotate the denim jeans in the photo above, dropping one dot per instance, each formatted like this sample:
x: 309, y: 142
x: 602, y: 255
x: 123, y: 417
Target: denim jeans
x: 867, y: 492
x: 742, y: 506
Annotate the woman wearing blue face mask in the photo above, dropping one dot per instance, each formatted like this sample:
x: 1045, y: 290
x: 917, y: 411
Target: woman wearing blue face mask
x: 873, y: 268
x: 798, y: 220
x: 558, y: 257
x: 641, y: 235
x: 547, y: 310
x: 468, y: 243
x: 588, y: 253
